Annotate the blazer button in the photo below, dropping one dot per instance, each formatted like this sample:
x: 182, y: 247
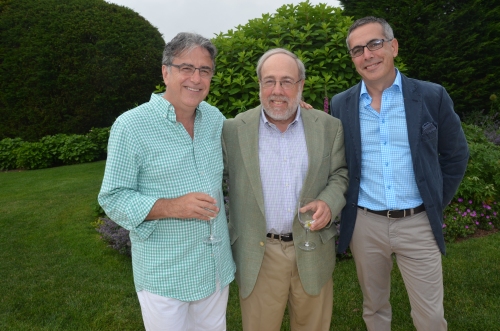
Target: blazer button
x: 261, y: 243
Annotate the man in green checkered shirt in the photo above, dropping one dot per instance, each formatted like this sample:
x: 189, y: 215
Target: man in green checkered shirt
x: 163, y: 158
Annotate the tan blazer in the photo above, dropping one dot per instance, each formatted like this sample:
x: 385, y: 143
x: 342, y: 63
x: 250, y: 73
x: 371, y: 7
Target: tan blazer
x: 326, y: 180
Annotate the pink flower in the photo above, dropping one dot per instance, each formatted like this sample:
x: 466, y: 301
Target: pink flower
x: 460, y: 199
x: 466, y: 226
x: 477, y: 223
x: 444, y: 225
x: 470, y: 202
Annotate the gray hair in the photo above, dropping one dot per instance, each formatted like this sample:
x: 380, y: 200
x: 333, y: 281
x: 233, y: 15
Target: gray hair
x: 388, y: 33
x: 269, y: 53
x: 186, y: 41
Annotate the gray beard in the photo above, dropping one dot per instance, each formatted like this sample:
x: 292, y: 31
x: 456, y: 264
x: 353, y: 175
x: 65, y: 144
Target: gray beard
x: 289, y: 112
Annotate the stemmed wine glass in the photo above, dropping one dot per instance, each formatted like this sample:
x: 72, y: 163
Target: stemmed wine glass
x: 306, y: 219
x: 213, y: 238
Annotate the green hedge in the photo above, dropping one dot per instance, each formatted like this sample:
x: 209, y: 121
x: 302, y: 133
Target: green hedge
x: 56, y: 150
x: 68, y: 66
x: 316, y: 33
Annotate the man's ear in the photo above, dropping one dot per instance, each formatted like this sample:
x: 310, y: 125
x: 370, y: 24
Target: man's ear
x: 395, y: 47
x: 165, y: 72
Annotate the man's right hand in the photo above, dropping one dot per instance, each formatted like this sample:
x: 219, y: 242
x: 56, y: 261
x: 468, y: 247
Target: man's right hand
x: 192, y: 205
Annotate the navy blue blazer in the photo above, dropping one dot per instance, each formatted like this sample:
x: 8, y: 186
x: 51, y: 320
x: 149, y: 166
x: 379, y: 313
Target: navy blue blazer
x: 438, y: 147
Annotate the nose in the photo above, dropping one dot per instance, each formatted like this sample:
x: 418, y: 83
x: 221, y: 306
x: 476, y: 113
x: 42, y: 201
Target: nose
x: 367, y: 53
x: 196, y: 76
x: 278, y: 89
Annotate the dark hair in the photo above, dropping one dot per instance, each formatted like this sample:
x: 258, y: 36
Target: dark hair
x: 187, y: 41
x: 388, y: 33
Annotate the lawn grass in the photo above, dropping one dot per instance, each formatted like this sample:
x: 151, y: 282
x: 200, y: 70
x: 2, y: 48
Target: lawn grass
x: 56, y: 273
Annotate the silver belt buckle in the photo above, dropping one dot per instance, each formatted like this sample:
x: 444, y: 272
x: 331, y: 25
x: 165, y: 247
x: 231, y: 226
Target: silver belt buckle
x: 389, y: 214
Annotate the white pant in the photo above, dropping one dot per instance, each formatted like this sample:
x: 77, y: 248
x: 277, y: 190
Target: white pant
x: 166, y: 314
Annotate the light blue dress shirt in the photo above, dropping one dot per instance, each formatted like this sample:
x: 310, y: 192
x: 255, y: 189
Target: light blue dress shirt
x: 283, y: 161
x: 152, y: 156
x: 387, y: 180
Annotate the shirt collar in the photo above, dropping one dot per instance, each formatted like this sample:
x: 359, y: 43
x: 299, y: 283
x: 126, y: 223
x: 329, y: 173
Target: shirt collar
x: 397, y: 82
x: 166, y: 109
x: 266, y: 121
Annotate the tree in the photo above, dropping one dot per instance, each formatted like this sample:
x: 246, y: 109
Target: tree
x: 67, y: 66
x: 454, y: 43
x: 316, y: 34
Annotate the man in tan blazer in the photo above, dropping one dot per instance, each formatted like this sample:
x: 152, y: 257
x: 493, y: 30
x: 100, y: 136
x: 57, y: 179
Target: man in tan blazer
x: 274, y: 155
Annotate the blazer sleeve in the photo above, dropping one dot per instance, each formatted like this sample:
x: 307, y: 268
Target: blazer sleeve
x: 452, y: 147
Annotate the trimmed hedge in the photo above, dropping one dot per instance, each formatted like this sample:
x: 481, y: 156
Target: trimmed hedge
x: 51, y: 151
x: 68, y: 66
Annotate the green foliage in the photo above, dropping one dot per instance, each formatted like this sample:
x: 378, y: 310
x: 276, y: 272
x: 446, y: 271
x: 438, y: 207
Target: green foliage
x: 33, y: 155
x: 99, y: 136
x: 78, y: 149
x: 482, y: 177
x: 463, y: 217
x: 453, y: 43
x: 68, y: 66
x: 315, y: 33
x: 476, y: 204
x: 56, y: 150
x: 8, y: 158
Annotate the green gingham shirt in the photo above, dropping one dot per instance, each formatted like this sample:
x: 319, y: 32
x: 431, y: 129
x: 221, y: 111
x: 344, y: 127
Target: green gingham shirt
x: 151, y: 156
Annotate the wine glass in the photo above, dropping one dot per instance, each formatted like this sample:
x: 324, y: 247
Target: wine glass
x: 213, y: 238
x: 306, y: 220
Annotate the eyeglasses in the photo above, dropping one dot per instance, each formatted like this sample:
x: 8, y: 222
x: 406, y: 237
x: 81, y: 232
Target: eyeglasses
x: 285, y: 84
x: 372, y: 45
x: 189, y: 70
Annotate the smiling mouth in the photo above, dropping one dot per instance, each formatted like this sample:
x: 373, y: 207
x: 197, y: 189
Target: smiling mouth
x: 372, y: 65
x: 193, y: 89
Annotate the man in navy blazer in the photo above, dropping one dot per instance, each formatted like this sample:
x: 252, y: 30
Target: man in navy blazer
x: 406, y: 154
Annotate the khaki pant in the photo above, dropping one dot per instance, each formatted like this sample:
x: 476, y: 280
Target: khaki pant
x: 278, y: 284
x: 410, y: 239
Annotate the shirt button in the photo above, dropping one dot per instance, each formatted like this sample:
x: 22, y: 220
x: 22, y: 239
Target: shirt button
x: 261, y: 243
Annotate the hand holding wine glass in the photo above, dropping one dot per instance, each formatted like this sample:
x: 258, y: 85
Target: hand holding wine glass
x: 213, y: 238
x: 306, y: 210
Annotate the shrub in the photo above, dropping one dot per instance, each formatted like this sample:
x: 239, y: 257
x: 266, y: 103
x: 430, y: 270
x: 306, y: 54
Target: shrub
x: 117, y: 237
x: 463, y: 217
x: 68, y: 66
x: 100, y: 137
x: 482, y: 177
x: 78, y: 149
x: 8, y: 157
x: 316, y: 34
x: 33, y: 155
x: 452, y: 43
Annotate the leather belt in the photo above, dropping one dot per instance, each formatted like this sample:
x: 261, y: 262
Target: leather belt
x: 396, y: 213
x: 283, y: 237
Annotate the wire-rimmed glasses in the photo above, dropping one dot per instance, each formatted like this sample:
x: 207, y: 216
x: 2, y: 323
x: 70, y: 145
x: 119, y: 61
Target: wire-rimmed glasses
x: 285, y: 84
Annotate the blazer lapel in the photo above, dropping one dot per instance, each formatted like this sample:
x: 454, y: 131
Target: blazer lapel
x: 413, y: 111
x: 248, y: 137
x: 314, y: 147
